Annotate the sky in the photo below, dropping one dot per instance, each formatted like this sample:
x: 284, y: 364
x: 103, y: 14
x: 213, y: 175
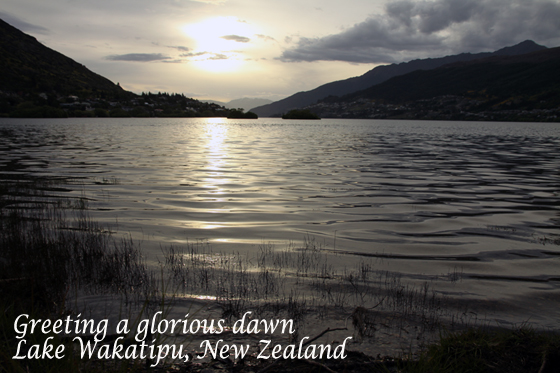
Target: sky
x: 228, y: 49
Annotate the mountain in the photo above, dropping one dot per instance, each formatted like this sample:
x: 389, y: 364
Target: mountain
x: 38, y: 82
x: 522, y: 87
x: 29, y: 66
x: 499, y: 76
x: 243, y: 103
x: 247, y: 103
x: 380, y: 74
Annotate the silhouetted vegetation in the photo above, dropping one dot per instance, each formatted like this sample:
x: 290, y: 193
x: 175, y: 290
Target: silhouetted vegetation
x: 477, y: 350
x: 300, y: 114
x: 239, y: 114
x: 30, y: 110
x: 27, y: 105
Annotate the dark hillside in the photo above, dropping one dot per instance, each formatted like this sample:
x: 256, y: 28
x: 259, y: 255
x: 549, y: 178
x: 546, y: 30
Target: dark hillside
x: 499, y: 76
x: 499, y: 88
x: 38, y: 82
x: 381, y: 74
x: 28, y: 66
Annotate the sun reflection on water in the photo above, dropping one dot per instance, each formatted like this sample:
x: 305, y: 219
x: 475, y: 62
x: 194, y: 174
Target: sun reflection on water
x: 216, y: 154
x: 216, y: 162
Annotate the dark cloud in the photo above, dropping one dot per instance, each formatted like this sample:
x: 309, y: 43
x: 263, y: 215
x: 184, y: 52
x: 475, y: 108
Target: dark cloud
x: 416, y: 29
x: 138, y: 57
x: 237, y: 38
x: 22, y: 25
x: 374, y: 40
x: 435, y: 16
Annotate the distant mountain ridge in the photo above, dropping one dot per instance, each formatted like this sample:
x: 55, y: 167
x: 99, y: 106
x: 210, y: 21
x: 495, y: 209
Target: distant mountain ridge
x: 381, y: 74
x: 245, y: 103
x: 500, y: 75
x: 506, y: 88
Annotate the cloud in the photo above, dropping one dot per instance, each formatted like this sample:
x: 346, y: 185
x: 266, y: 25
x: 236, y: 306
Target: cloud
x: 192, y: 54
x: 218, y: 56
x: 237, y: 38
x: 374, y: 40
x: 265, y: 37
x: 22, y: 25
x: 179, y: 48
x: 210, y: 56
x: 416, y: 29
x: 173, y: 61
x: 138, y: 57
x: 434, y: 16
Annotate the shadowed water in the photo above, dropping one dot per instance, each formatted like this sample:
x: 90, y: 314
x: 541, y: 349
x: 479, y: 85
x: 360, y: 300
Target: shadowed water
x: 479, y: 201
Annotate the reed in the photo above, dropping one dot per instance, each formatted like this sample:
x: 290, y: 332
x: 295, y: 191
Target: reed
x: 299, y: 281
x: 54, y: 243
x: 51, y: 252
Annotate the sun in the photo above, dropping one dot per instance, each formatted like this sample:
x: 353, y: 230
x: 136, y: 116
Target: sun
x: 219, y: 42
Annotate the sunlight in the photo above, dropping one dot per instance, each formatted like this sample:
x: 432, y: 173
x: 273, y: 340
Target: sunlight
x: 209, y: 34
x: 218, y: 41
x: 216, y: 154
x: 216, y: 133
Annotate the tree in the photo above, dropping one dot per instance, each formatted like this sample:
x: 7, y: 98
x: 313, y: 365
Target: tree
x: 300, y: 114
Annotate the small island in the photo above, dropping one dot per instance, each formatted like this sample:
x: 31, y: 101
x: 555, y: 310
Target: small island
x: 300, y: 114
x: 239, y: 114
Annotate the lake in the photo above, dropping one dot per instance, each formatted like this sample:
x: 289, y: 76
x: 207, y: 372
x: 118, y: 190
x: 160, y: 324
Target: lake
x: 475, y: 202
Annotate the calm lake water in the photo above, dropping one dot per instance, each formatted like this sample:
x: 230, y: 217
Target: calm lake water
x: 427, y: 199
